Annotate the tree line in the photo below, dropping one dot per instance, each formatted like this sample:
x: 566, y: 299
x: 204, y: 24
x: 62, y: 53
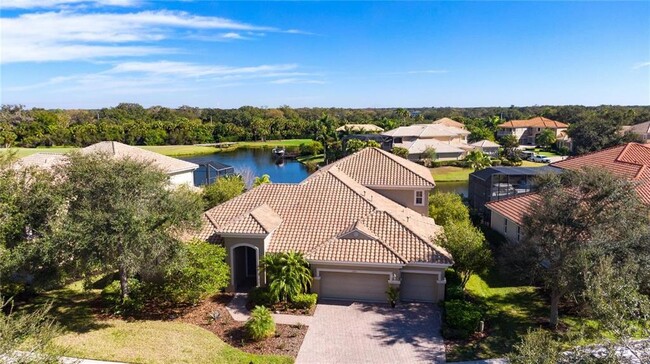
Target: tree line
x: 136, y: 125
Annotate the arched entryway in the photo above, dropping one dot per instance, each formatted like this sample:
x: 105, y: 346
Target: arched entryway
x: 244, y: 269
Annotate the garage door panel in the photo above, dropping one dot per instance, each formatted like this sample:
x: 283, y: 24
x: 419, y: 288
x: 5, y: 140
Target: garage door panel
x: 417, y: 287
x: 353, y: 286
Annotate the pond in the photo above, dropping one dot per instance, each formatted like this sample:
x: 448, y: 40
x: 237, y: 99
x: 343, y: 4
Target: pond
x: 460, y: 188
x: 257, y: 161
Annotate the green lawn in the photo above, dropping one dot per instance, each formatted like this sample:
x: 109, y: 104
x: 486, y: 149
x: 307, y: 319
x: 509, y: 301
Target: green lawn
x: 318, y: 158
x: 451, y: 174
x: 173, y: 150
x: 142, y: 341
x: 511, y: 311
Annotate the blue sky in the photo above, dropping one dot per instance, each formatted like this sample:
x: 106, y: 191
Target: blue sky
x: 88, y: 54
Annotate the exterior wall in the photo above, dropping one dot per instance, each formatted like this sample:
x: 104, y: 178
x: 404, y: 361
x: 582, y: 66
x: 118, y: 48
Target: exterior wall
x: 517, y: 132
x: 406, y: 198
x: 498, y: 224
x: 526, y: 136
x: 182, y: 178
x: 491, y: 151
x: 253, y: 242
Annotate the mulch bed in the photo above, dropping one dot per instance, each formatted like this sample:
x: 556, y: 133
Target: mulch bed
x: 285, y: 308
x: 287, y: 339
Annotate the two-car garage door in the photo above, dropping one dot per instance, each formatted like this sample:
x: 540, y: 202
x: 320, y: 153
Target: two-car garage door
x: 353, y: 286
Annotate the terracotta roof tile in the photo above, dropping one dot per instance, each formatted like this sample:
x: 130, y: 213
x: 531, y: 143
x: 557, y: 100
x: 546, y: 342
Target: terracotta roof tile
x: 514, y: 208
x: 450, y: 122
x: 536, y: 122
x: 319, y: 216
x: 376, y: 167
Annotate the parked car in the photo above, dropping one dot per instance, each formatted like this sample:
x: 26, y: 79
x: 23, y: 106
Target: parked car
x: 541, y: 159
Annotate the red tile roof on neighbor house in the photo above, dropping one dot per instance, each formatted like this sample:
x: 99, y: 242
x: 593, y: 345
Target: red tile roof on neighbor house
x: 536, y: 122
x: 630, y: 161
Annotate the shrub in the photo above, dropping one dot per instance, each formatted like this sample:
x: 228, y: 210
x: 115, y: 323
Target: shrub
x: 311, y: 166
x: 260, y: 296
x: 304, y: 300
x: 260, y: 325
x: 133, y: 303
x: 200, y: 271
x: 312, y: 148
x: 461, y: 319
x: 222, y: 190
x: 402, y: 152
x: 496, y: 162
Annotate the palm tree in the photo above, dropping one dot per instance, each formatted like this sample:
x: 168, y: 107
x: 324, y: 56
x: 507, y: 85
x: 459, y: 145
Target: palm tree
x: 477, y: 160
x: 288, y: 274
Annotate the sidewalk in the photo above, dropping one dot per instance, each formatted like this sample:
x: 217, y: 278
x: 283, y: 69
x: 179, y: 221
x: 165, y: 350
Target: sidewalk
x: 238, y: 311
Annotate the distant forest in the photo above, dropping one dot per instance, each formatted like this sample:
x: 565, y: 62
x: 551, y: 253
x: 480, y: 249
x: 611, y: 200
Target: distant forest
x: 136, y: 125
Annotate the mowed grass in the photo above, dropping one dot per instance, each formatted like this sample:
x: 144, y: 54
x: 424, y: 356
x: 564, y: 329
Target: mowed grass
x: 143, y: 341
x: 511, y: 311
x: 450, y: 174
x: 171, y: 150
x: 156, y: 342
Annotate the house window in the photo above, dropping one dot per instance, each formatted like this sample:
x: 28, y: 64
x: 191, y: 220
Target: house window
x: 505, y: 226
x: 518, y: 233
x: 419, y: 198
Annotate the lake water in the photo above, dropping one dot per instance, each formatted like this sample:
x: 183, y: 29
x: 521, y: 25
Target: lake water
x: 258, y: 161
x: 455, y: 187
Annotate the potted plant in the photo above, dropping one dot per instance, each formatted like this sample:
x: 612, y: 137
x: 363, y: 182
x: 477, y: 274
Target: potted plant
x: 393, y: 296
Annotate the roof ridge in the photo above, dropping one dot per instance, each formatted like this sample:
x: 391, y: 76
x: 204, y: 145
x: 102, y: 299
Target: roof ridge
x: 427, y: 241
x: 401, y: 164
x: 363, y: 196
x: 390, y: 249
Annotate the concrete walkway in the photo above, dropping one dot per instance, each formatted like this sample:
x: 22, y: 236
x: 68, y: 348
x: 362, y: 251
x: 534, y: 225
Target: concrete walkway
x: 238, y: 311
x: 360, y: 333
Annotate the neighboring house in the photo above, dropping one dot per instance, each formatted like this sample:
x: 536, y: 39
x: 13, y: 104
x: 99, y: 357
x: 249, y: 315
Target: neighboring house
x: 643, y: 130
x: 449, y: 142
x: 450, y: 122
x: 630, y: 161
x: 180, y: 172
x: 345, y: 220
x: 488, y: 147
x: 500, y: 182
x: 360, y: 128
x: 526, y: 131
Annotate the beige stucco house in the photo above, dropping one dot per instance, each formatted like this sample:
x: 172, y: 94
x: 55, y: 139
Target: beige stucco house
x: 450, y: 142
x: 630, y: 161
x: 180, y: 172
x: 526, y: 131
x: 360, y: 222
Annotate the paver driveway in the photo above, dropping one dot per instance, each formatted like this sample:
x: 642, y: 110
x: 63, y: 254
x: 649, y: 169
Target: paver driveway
x: 373, y: 333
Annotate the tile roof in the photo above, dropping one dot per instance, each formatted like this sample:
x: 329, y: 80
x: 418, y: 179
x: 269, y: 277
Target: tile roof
x: 485, y: 144
x: 376, y: 167
x: 536, y: 122
x: 320, y: 215
x: 515, y: 207
x: 641, y: 129
x: 360, y: 127
x: 120, y: 150
x: 450, y: 122
x: 426, y: 131
x: 630, y: 161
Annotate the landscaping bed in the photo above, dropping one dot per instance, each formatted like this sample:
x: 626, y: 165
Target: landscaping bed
x: 212, y: 315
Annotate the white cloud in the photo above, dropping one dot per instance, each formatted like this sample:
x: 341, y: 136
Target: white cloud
x: 641, y: 65
x: 66, y: 35
x: 185, y: 69
x: 41, y: 4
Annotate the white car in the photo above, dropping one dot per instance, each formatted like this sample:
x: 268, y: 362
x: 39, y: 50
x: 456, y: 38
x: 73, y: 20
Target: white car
x: 540, y: 159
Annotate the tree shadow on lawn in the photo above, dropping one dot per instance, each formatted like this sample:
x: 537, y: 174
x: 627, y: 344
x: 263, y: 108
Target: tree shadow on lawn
x: 416, y: 324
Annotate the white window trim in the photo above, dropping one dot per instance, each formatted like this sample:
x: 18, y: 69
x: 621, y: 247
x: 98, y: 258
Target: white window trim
x: 415, y: 198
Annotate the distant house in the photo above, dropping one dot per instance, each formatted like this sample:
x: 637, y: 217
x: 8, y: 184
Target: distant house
x: 487, y: 147
x: 180, y: 172
x: 526, y: 131
x: 360, y: 128
x: 361, y: 222
x: 643, y: 130
x: 630, y: 161
x: 449, y: 142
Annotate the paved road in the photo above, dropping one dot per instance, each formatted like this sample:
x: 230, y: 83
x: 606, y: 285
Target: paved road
x: 373, y: 333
